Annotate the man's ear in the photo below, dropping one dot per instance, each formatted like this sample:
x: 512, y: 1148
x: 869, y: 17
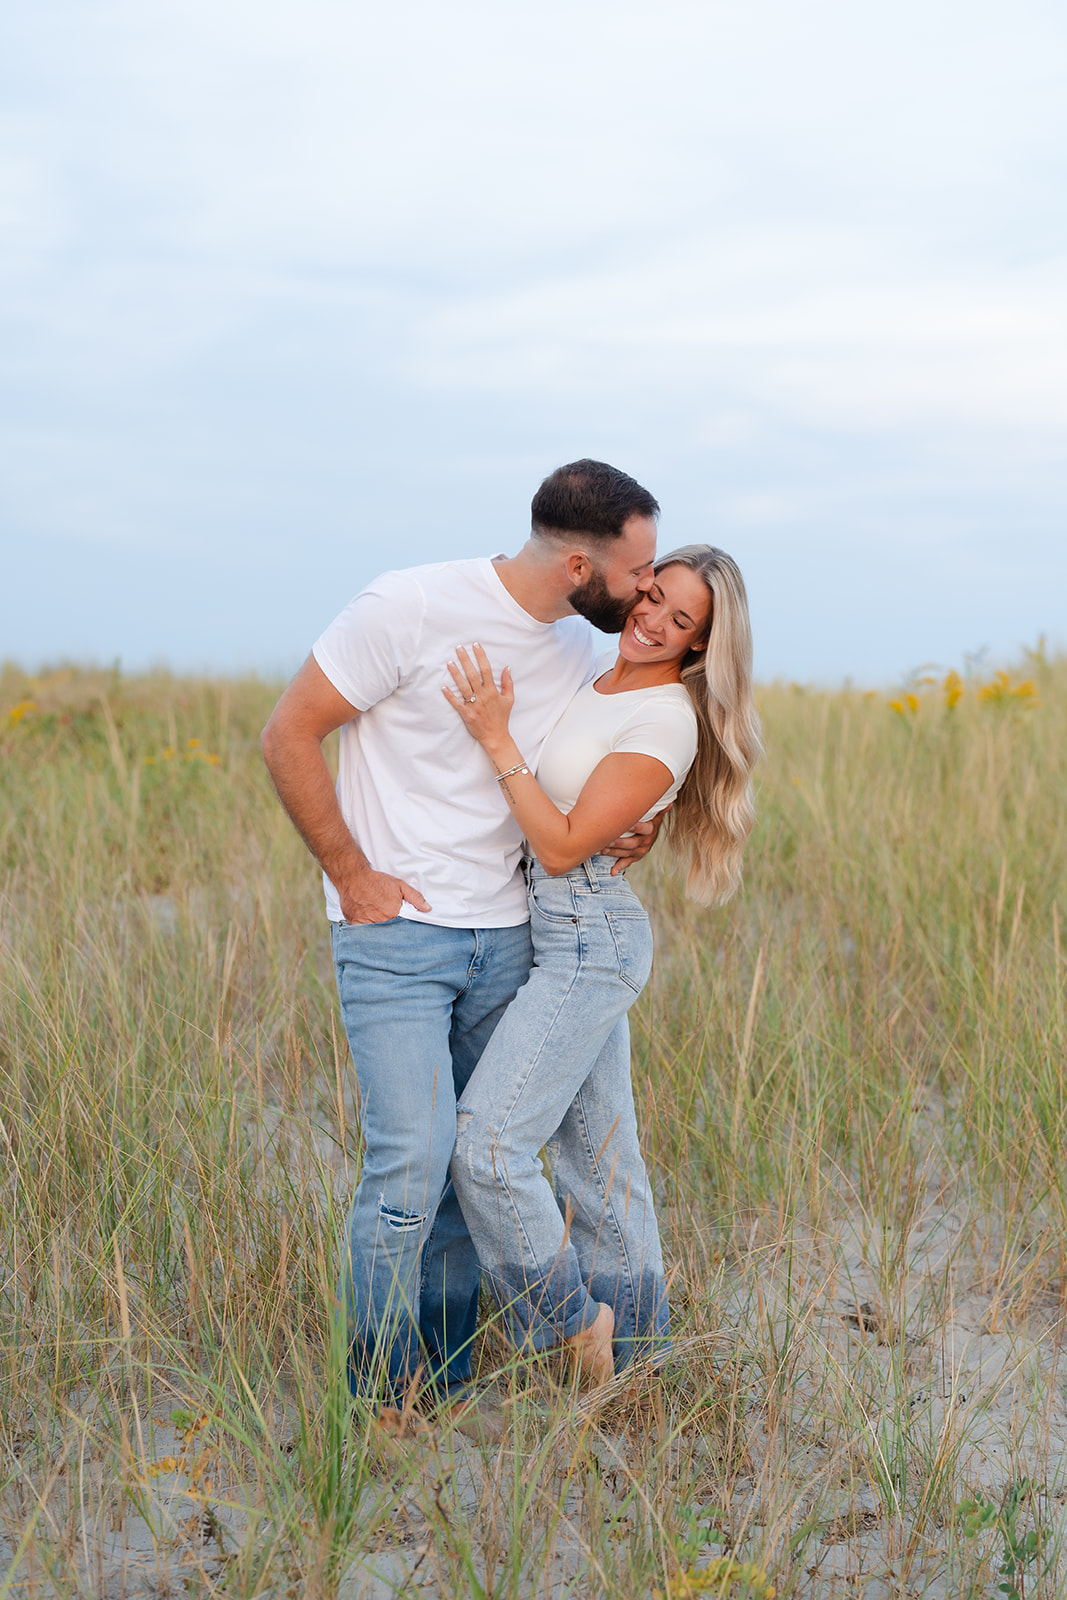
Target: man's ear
x: 577, y: 566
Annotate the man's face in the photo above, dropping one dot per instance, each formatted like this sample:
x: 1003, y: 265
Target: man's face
x: 619, y: 576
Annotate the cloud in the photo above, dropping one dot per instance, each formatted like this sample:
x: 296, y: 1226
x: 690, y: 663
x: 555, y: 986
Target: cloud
x: 833, y: 328
x: 306, y: 283
x: 473, y: 136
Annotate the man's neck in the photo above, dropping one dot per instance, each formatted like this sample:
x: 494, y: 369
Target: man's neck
x: 534, y: 584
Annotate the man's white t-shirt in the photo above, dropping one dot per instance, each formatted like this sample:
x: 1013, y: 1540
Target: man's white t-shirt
x: 660, y: 721
x: 416, y: 790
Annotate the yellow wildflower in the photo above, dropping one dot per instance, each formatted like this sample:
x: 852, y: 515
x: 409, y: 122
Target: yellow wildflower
x: 720, y: 1575
x: 23, y: 709
x: 1000, y: 691
x: 997, y: 691
x: 953, y: 688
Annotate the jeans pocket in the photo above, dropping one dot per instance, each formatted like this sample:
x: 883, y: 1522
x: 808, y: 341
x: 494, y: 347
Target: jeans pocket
x: 632, y: 933
x: 553, y: 900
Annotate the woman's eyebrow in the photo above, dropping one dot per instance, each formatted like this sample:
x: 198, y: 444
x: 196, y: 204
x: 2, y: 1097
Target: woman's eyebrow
x: 686, y: 618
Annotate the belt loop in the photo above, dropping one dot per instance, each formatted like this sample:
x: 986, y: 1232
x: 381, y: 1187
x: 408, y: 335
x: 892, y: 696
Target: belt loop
x: 590, y: 872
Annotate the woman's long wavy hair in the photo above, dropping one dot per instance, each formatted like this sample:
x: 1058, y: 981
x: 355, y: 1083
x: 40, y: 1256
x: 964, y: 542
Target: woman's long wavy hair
x: 713, y: 815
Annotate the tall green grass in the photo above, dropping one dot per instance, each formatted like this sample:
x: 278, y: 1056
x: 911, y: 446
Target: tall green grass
x: 850, y: 1082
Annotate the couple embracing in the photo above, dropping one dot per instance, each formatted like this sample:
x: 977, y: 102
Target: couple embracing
x: 495, y: 780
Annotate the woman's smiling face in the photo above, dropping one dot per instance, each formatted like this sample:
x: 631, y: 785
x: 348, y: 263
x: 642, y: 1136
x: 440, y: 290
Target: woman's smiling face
x: 668, y: 621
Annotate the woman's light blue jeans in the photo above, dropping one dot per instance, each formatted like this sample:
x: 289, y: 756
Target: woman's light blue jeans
x: 556, y: 1072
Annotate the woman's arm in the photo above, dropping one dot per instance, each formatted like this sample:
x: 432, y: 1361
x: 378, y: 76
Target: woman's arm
x: 619, y: 791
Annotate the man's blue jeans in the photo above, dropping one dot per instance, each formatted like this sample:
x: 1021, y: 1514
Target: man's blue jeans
x: 419, y: 1004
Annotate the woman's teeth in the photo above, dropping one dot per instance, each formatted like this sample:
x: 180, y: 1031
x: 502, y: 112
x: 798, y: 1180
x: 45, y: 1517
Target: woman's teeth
x: 642, y: 638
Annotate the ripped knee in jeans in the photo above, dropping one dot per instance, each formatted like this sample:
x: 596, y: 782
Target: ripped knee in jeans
x: 400, y: 1221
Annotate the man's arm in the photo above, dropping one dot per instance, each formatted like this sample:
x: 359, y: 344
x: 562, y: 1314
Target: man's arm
x: 636, y: 844
x: 292, y: 748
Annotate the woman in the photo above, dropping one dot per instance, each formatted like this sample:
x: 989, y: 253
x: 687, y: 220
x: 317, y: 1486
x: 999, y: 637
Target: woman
x: 669, y: 723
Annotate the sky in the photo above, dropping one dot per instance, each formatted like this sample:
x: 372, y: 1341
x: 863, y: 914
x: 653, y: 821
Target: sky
x: 292, y: 293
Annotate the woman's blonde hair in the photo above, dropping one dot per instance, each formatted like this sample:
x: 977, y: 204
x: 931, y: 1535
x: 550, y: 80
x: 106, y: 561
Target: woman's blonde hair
x: 714, y: 812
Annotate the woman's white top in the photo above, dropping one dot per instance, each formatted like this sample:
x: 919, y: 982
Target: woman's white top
x: 659, y: 722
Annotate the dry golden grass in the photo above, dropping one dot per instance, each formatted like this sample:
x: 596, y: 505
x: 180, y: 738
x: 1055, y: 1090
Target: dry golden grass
x: 851, y: 1086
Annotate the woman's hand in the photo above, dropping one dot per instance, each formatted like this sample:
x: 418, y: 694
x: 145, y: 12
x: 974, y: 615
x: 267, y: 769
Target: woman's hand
x: 485, y: 709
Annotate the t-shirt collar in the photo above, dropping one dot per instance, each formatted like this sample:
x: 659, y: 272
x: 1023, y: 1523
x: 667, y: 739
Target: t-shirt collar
x: 507, y: 600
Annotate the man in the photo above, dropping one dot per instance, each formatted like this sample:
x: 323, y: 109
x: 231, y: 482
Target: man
x: 421, y: 861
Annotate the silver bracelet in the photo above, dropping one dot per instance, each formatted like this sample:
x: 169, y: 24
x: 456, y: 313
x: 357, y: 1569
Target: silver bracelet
x: 510, y: 773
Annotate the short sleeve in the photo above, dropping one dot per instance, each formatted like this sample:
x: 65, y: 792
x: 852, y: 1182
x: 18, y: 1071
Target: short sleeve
x: 666, y: 729
x: 367, y: 650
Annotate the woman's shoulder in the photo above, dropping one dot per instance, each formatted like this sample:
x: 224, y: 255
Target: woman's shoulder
x: 666, y: 708
x: 673, y: 699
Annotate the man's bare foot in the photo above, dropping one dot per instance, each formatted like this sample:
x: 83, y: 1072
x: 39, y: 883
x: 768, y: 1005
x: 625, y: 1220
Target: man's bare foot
x: 589, y: 1352
x: 476, y: 1417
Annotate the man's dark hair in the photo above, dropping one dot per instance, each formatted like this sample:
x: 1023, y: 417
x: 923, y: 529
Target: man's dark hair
x: 589, y: 497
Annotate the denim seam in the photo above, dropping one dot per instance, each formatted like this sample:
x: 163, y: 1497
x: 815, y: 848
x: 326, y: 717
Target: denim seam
x: 495, y: 1133
x: 607, y: 1202
x: 528, y: 1250
x: 509, y: 1296
x: 478, y: 963
x: 546, y: 1032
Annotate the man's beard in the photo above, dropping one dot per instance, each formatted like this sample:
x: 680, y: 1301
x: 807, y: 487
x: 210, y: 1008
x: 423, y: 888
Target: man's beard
x: 594, y: 601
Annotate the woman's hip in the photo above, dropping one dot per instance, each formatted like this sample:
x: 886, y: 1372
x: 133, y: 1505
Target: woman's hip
x: 587, y: 922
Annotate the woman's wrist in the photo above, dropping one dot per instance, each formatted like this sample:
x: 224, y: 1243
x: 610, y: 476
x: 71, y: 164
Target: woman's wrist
x: 503, y: 753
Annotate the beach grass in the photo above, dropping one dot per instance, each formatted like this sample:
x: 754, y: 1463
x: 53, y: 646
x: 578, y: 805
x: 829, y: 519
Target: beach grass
x: 850, y: 1083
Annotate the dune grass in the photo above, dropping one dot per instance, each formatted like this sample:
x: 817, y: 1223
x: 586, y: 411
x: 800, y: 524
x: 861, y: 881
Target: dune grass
x: 851, y: 1086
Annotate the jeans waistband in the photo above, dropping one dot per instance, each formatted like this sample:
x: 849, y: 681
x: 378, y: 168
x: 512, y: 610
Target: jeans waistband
x: 588, y: 875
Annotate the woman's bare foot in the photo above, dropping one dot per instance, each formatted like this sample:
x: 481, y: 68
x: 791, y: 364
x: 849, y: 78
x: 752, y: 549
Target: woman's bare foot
x: 589, y: 1352
x: 400, y: 1426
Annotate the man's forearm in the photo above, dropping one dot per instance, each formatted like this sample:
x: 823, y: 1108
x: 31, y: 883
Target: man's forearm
x: 305, y: 788
x: 292, y: 748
